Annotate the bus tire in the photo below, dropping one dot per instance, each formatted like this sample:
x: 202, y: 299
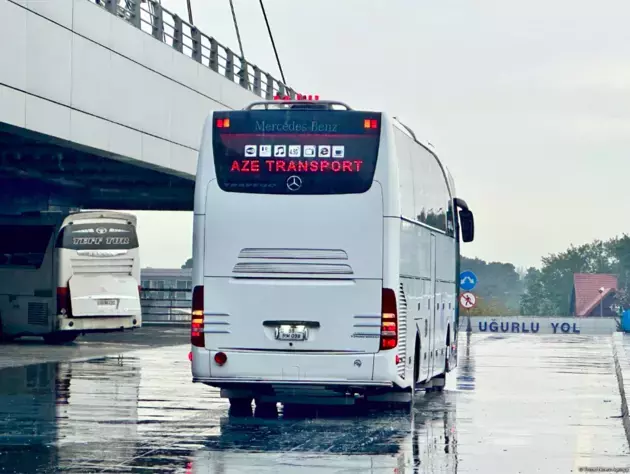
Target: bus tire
x: 241, y: 406
x: 3, y: 337
x: 448, y: 350
x: 416, y: 362
x: 59, y: 338
x: 441, y: 379
x: 266, y: 409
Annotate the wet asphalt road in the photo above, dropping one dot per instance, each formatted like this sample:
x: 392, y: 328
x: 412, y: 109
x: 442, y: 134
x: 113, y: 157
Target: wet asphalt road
x: 516, y: 404
x: 33, y: 350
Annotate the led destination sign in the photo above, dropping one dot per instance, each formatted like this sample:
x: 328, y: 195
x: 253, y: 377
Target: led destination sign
x: 329, y: 152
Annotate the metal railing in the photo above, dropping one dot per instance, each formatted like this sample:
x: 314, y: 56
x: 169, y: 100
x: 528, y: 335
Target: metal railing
x: 152, y: 18
x: 169, y: 305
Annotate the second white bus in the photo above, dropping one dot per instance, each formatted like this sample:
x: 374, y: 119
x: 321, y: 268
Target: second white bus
x: 64, y: 275
x: 326, y: 255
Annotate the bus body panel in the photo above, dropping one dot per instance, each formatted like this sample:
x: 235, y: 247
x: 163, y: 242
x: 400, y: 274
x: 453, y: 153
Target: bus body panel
x: 313, y: 258
x: 344, y: 231
x: 95, y: 296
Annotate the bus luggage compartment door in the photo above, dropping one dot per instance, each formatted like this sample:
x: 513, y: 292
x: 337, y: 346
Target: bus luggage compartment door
x: 104, y: 295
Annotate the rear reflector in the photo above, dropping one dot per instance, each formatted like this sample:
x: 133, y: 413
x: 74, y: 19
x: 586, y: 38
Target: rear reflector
x: 64, y: 306
x: 220, y: 358
x: 196, y: 327
x: 389, y: 320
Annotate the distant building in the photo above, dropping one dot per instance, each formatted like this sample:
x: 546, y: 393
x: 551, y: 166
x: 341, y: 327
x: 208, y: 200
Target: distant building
x: 593, y: 295
x: 166, y: 294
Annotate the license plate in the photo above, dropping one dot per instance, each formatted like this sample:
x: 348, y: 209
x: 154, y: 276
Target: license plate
x: 291, y: 333
x: 106, y: 302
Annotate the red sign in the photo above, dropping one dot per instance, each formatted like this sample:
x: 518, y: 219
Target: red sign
x: 296, y: 166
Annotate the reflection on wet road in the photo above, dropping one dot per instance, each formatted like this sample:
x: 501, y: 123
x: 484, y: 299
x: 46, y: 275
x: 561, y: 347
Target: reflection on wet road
x: 516, y: 404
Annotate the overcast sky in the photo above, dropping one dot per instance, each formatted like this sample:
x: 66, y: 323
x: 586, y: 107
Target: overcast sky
x: 528, y: 104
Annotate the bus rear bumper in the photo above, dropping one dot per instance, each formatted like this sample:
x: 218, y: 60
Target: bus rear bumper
x: 260, y: 372
x: 217, y: 381
x: 98, y: 323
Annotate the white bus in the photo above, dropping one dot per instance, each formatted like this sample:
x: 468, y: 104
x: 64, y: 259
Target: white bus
x: 64, y: 275
x: 326, y: 255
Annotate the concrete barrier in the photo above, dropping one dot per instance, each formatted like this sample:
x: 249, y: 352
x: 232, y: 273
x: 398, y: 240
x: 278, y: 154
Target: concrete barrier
x: 622, y: 366
x: 538, y: 325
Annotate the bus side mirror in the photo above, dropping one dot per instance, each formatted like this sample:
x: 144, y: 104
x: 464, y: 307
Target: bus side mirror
x: 467, y: 222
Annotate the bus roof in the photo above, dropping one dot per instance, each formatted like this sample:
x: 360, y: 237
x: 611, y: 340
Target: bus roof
x: 99, y: 215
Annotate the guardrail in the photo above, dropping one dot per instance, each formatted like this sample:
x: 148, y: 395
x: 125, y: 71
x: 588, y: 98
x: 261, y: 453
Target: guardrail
x: 152, y: 18
x: 165, y: 305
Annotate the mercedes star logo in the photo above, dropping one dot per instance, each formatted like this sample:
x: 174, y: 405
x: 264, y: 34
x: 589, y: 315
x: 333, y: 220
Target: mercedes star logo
x: 294, y: 183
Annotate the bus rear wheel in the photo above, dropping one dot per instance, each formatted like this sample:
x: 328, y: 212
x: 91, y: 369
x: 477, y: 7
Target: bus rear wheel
x: 241, y: 406
x: 3, y: 336
x: 265, y: 409
x: 58, y: 338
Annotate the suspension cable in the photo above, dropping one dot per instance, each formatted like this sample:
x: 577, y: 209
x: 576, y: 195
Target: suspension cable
x: 238, y: 34
x: 273, y: 43
x: 190, y: 18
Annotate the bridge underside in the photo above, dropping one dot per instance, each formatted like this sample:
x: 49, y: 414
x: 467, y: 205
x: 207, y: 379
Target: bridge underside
x: 38, y: 172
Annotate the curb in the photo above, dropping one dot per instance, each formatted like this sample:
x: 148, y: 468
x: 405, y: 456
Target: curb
x: 622, y: 363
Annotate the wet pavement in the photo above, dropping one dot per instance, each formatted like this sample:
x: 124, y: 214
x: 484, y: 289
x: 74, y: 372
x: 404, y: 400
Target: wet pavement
x: 33, y: 350
x: 517, y: 403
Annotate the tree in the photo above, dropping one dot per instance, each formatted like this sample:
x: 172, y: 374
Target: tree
x: 536, y: 301
x: 498, y: 282
x: 488, y: 307
x: 188, y: 264
x: 548, y: 290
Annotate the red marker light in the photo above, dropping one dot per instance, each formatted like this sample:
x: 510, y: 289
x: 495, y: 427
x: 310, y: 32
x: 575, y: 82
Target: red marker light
x: 223, y: 123
x: 220, y: 358
x: 370, y: 123
x: 373, y: 123
x: 298, y: 97
x: 190, y: 356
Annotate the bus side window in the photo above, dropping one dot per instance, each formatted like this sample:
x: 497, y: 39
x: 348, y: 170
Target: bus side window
x: 431, y: 191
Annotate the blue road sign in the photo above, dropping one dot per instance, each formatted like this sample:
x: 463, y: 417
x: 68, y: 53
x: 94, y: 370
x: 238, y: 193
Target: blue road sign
x: 467, y: 280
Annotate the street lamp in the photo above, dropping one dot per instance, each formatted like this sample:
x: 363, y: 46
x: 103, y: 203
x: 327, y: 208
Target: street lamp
x: 601, y: 302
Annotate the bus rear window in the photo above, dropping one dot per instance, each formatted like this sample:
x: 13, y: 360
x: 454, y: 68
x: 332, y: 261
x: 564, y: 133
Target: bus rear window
x: 101, y: 236
x: 296, y: 151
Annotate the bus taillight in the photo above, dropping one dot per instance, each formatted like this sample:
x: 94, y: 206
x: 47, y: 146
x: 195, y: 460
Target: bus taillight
x: 196, y: 327
x: 389, y: 320
x: 63, y: 301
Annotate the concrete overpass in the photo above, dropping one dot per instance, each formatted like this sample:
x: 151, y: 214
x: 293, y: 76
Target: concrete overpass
x: 102, y: 103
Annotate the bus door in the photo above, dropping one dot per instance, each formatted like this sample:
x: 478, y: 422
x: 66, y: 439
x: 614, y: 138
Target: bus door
x: 433, y: 312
